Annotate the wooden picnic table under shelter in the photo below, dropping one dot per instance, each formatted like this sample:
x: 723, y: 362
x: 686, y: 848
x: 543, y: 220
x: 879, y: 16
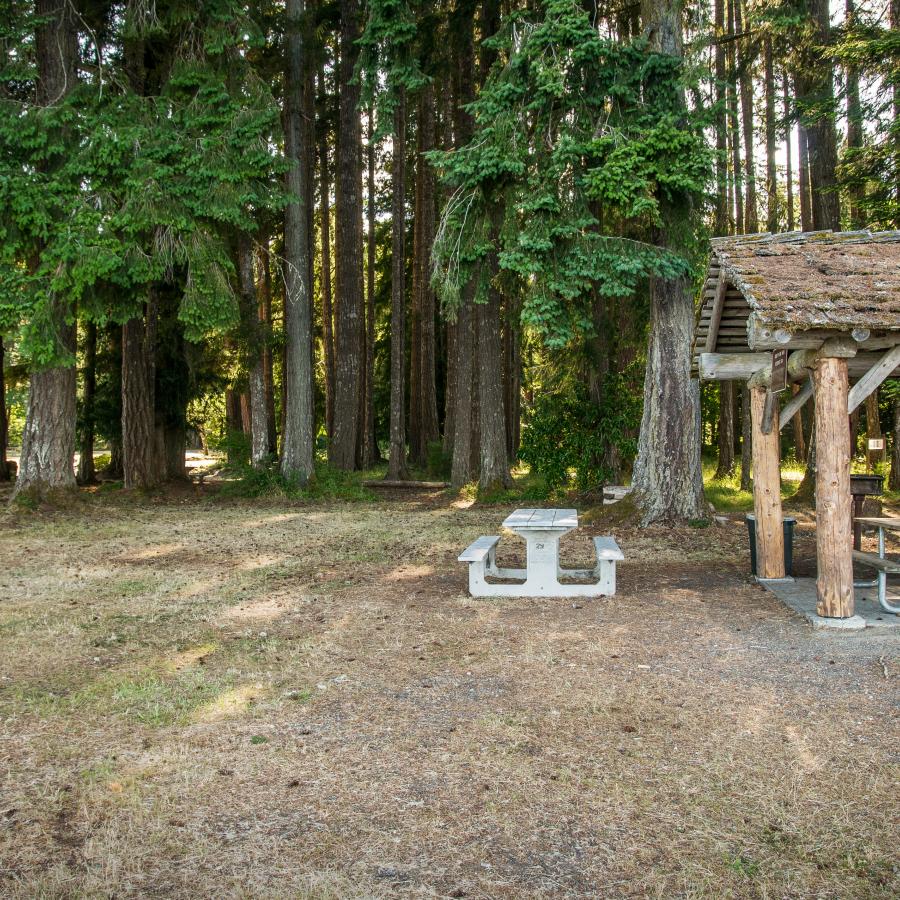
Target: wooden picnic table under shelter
x: 830, y: 301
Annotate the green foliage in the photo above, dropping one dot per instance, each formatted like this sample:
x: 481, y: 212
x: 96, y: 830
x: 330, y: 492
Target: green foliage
x: 123, y: 184
x: 569, y: 437
x: 267, y: 481
x: 581, y: 145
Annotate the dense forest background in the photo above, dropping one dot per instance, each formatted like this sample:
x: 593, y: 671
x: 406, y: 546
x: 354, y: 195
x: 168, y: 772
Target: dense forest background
x: 447, y: 236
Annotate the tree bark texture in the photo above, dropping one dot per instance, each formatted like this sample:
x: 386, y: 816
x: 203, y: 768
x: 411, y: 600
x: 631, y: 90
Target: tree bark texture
x: 264, y: 270
x: 789, y: 160
x: 370, y: 444
x: 767, y: 490
x: 259, y: 425
x: 140, y: 448
x: 722, y: 210
x: 772, y: 223
x: 423, y: 419
x: 85, y: 473
x: 397, y: 470
x: 494, y: 470
x: 325, y: 239
x: 734, y: 128
x: 668, y: 479
x: 345, y: 441
x: 5, y: 473
x: 725, y: 430
x: 745, y: 63
x: 815, y: 100
x: 297, y: 452
x: 48, y: 442
x: 834, y: 530
x: 873, y: 430
x: 854, y: 122
x: 894, y: 480
x: 799, y: 434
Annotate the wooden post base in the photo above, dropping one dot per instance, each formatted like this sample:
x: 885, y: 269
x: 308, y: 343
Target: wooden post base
x: 767, y: 489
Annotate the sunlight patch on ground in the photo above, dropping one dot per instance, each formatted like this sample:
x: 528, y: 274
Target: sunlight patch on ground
x: 228, y: 704
x: 190, y: 657
x: 263, y: 610
x: 409, y: 573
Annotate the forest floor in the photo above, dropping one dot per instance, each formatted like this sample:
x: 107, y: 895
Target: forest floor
x: 210, y: 697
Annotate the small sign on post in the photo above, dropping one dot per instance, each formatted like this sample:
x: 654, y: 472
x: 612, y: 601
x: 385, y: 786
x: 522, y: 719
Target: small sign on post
x: 779, y: 370
x: 876, y: 443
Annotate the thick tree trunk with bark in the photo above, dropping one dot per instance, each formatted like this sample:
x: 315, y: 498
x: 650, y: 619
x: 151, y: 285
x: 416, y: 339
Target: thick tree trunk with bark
x: 299, y: 425
x: 734, y: 129
x: 815, y: 98
x: 494, y: 468
x: 259, y: 425
x: 806, y: 222
x: 265, y: 317
x: 325, y: 239
x: 48, y: 442
x: 789, y: 162
x: 86, y: 473
x: 668, y: 479
x: 771, y: 141
x: 722, y: 216
x: 370, y: 452
x: 725, y: 429
x: 894, y: 480
x: 512, y: 379
x: 5, y: 473
x: 423, y: 421
x: 873, y: 430
x: 345, y: 441
x: 854, y: 122
x: 745, y: 63
x: 142, y: 465
x: 397, y: 470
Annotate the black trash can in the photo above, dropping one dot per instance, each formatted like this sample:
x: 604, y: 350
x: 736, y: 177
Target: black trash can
x: 788, y: 524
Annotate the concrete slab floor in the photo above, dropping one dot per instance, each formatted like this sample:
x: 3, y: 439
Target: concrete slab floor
x: 800, y: 595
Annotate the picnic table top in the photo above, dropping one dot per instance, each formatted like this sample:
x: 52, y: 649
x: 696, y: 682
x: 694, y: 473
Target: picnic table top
x: 879, y: 522
x: 524, y: 519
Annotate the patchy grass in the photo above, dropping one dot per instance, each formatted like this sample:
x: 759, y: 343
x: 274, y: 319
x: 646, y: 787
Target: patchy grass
x: 726, y: 495
x: 293, y: 698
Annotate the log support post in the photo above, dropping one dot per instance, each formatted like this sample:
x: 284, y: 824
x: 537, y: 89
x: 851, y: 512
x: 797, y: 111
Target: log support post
x: 767, y: 489
x: 834, y: 530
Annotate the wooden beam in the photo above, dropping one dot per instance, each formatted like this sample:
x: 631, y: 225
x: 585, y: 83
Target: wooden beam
x: 768, y: 337
x: 796, y: 403
x: 873, y: 378
x: 741, y: 366
x: 730, y: 366
x: 716, y: 314
x: 767, y: 490
x: 834, y: 526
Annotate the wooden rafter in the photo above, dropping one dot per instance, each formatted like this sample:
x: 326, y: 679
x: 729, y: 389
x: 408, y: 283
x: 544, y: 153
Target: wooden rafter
x: 873, y: 377
x: 715, y: 318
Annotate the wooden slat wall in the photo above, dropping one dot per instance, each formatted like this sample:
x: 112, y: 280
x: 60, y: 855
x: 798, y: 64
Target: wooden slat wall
x: 732, y: 335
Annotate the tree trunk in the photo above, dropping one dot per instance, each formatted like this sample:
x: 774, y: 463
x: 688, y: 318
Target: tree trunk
x: 746, y: 440
x: 854, y: 123
x: 424, y: 428
x: 734, y: 128
x: 325, y: 239
x: 86, y: 473
x: 771, y: 141
x: 815, y: 99
x: 299, y: 420
x: 722, y: 210
x: 344, y: 445
x: 397, y: 470
x: 5, y: 473
x: 494, y: 467
x: 873, y: 430
x: 512, y: 379
x: 745, y: 64
x: 48, y: 442
x: 668, y: 478
x: 233, y: 425
x: 726, y: 429
x: 894, y: 480
x: 259, y: 423
x: 265, y: 318
x: 789, y: 162
x: 370, y: 443
x: 806, y: 223
x: 142, y: 466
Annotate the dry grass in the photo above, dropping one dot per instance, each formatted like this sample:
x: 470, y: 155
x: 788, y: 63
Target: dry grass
x: 249, y: 700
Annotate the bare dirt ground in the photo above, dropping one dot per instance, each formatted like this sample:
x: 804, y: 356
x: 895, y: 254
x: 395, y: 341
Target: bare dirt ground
x: 204, y: 698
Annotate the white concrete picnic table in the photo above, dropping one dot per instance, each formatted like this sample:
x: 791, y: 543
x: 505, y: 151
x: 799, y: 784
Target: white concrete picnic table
x: 541, y: 529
